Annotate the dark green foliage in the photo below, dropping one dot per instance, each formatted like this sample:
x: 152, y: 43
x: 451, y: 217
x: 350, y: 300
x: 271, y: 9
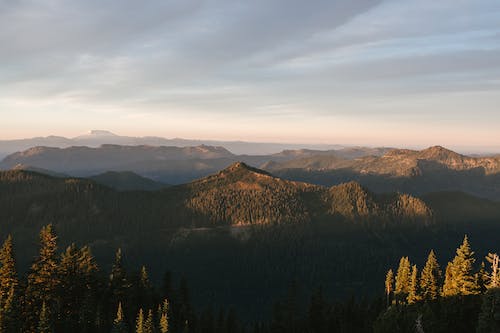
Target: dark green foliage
x: 76, y: 289
x: 43, y: 280
x: 489, y: 317
x: 9, y: 293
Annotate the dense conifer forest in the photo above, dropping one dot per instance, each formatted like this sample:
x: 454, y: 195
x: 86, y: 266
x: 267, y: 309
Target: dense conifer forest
x: 245, y: 249
x: 65, y: 291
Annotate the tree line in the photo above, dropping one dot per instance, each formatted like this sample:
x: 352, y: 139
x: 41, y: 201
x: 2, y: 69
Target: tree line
x: 465, y: 298
x: 67, y: 292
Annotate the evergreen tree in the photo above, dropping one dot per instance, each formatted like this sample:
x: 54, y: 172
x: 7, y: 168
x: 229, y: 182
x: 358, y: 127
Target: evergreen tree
x: 403, y: 277
x: 494, y: 277
x: 163, y: 325
x: 143, y: 290
x: 119, y: 324
x: 76, y: 279
x: 139, y: 323
x: 449, y: 288
x: 163, y: 315
x: 149, y: 323
x: 482, y: 278
x: 44, y: 321
x: 413, y: 292
x: 42, y: 279
x: 8, y: 274
x: 118, y: 282
x: 460, y: 279
x: 8, y: 288
x: 389, y: 285
x: 430, y: 277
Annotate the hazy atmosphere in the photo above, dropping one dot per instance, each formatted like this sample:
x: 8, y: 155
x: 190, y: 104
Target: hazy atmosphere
x: 398, y: 73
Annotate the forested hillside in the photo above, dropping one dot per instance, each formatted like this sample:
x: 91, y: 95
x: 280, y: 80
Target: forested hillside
x: 242, y: 236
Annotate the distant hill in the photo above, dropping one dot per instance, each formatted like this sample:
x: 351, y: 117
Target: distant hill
x: 145, y: 160
x: 167, y: 164
x: 416, y: 172
x: 237, y: 195
x: 40, y: 170
x: 395, y: 162
x: 127, y: 181
x: 96, y: 138
x: 379, y: 169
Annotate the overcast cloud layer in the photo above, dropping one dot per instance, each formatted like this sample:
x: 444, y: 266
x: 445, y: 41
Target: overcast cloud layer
x: 363, y: 72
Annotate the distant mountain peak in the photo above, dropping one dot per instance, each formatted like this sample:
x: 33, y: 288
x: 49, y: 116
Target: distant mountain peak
x: 241, y: 166
x: 101, y: 133
x: 438, y: 152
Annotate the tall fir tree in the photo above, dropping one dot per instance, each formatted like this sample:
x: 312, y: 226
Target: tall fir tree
x: 8, y: 274
x: 163, y: 315
x: 42, y: 279
x: 460, y: 278
x: 9, y: 304
x: 494, y: 277
x: 413, y: 291
x: 76, y: 283
x: 119, y: 323
x: 389, y: 286
x: 430, y: 278
x: 118, y: 281
x: 149, y: 323
x: 403, y: 277
x: 139, y: 322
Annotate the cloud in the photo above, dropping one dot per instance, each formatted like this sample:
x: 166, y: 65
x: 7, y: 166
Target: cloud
x: 248, y: 59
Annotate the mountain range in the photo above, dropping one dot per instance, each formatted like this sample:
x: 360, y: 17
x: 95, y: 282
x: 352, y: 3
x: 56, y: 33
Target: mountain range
x: 242, y: 234
x: 96, y: 138
x: 379, y: 169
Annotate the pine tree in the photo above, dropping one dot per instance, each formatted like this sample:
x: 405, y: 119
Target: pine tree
x: 494, y: 277
x: 149, y: 323
x: 403, y: 277
x: 118, y: 282
x: 413, y: 292
x: 389, y: 285
x: 119, y: 324
x: 8, y: 274
x: 139, y: 323
x: 44, y: 321
x: 76, y: 274
x: 163, y: 315
x: 42, y: 279
x: 449, y: 288
x: 430, y: 277
x: 143, y: 291
x: 460, y: 279
x: 8, y: 288
x: 482, y: 278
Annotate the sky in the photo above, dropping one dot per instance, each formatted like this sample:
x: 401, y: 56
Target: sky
x: 369, y: 72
